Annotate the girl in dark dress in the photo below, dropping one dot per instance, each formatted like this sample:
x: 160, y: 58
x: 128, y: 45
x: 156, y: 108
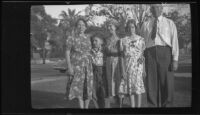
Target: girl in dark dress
x: 98, y: 63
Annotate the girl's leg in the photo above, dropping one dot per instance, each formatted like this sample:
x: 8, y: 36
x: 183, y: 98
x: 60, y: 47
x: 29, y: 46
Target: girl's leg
x: 107, y: 102
x: 132, y: 100
x: 86, y: 104
x: 81, y: 103
x: 118, y: 101
x: 95, y: 103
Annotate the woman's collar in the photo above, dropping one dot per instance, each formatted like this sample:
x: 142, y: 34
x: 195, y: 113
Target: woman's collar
x: 136, y: 37
x: 96, y: 49
x: 160, y: 18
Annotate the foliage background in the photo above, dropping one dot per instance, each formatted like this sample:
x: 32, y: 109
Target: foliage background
x: 45, y: 28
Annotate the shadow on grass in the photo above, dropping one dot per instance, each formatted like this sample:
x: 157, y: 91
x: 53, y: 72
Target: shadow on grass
x: 51, y: 100
x: 184, y: 68
x: 183, y: 84
x: 183, y: 92
x: 48, y: 100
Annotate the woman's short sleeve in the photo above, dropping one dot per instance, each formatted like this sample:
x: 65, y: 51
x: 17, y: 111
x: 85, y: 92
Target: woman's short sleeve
x: 69, y: 43
x: 142, y: 44
x: 125, y: 42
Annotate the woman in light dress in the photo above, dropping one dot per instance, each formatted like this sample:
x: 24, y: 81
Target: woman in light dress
x: 132, y: 47
x: 113, y: 70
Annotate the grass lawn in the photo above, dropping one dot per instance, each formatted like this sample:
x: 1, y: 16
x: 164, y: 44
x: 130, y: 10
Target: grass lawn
x: 50, y: 94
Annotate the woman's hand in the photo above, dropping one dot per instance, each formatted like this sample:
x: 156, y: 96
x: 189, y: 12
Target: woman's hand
x: 70, y: 70
x: 140, y: 60
x: 144, y: 74
x: 120, y: 45
x: 123, y: 76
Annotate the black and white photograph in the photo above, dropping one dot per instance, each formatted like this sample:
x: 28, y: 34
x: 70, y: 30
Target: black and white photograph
x: 101, y: 56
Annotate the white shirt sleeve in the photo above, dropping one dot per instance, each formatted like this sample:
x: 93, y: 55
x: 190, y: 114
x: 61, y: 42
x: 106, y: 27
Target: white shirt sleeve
x: 174, y: 42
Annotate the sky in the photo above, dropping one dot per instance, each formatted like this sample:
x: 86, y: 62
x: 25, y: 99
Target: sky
x: 55, y: 10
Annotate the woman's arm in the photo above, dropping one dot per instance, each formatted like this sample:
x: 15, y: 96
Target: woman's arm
x: 141, y: 48
x: 68, y: 60
x: 115, y: 47
x: 69, y: 43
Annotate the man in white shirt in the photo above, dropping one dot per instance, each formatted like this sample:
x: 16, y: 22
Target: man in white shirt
x: 161, y: 57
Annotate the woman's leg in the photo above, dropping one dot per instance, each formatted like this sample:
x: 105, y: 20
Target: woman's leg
x: 132, y: 100
x: 121, y: 100
x: 138, y: 100
x: 81, y: 103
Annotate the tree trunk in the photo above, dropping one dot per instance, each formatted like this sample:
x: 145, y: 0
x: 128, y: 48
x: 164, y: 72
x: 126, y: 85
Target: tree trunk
x: 43, y: 55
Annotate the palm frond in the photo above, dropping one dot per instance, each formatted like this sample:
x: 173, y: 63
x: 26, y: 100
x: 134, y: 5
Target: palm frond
x: 78, y: 13
x: 63, y: 14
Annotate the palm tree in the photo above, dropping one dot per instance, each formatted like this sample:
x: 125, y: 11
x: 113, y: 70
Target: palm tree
x: 64, y: 29
x: 69, y: 19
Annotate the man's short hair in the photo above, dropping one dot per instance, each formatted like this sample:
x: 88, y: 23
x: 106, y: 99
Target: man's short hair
x: 156, y: 5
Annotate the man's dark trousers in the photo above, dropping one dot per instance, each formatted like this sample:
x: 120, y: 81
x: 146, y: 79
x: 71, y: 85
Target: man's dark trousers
x: 160, y: 79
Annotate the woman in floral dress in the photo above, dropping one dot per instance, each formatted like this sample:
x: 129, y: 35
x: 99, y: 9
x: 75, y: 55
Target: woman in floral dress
x: 78, y: 58
x: 132, y: 82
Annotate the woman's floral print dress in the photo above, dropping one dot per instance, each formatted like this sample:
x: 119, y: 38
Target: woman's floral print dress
x: 82, y: 84
x: 132, y: 83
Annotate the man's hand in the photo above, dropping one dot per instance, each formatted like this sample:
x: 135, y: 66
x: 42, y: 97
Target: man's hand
x: 174, y: 65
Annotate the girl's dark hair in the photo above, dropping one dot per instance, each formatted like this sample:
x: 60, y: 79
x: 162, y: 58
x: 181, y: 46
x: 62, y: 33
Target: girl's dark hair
x: 100, y: 36
x: 128, y: 29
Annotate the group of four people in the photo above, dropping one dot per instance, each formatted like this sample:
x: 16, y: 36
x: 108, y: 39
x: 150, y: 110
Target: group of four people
x: 114, y: 67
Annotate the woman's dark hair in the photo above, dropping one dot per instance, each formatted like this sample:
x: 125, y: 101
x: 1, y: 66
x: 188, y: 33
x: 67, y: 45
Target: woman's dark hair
x: 128, y: 29
x: 81, y: 19
x: 112, y: 22
x: 76, y: 25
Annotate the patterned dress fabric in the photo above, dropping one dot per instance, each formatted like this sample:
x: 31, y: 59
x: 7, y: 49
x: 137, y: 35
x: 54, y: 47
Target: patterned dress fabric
x: 82, y: 84
x: 97, y: 57
x: 132, y: 83
x: 100, y: 81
